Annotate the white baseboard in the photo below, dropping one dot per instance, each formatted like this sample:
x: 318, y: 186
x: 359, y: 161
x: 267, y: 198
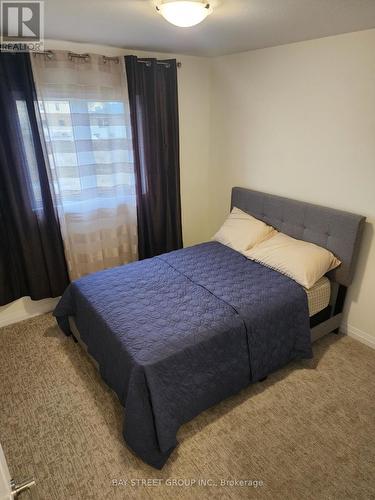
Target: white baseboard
x: 357, y: 334
x: 25, y: 308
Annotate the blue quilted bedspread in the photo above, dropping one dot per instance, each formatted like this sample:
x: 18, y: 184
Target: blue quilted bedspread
x: 175, y: 334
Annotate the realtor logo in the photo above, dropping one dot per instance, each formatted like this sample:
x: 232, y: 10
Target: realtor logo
x: 22, y: 26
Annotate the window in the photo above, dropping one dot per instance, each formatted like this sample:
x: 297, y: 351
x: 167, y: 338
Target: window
x: 28, y: 145
x: 89, y: 148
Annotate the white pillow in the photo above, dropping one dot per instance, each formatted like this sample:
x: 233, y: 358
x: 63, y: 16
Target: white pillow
x: 241, y: 231
x: 304, y: 262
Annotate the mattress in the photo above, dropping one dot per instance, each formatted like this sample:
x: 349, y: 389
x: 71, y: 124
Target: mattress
x: 318, y: 296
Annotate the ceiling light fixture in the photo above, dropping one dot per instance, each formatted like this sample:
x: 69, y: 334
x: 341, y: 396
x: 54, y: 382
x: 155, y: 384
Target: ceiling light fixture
x: 184, y: 13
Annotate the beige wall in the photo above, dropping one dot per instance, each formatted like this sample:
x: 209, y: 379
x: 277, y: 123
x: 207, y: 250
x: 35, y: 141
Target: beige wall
x: 299, y: 121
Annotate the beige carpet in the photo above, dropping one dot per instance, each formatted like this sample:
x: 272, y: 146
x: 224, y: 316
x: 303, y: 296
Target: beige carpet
x: 307, y: 432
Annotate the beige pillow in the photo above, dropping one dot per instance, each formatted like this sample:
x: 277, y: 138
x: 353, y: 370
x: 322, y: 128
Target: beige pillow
x: 304, y: 262
x: 241, y: 231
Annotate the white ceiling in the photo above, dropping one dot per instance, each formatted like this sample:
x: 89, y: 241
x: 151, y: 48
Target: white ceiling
x: 234, y: 25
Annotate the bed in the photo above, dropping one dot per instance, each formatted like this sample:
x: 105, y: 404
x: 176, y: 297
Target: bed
x: 176, y: 334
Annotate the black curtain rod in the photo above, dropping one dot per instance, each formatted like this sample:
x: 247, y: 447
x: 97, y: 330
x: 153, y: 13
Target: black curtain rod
x: 49, y: 54
x: 162, y: 63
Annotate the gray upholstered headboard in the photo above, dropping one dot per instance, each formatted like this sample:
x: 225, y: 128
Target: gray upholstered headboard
x: 340, y: 232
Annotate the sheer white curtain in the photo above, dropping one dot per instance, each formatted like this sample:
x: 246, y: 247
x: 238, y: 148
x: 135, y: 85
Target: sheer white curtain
x: 84, y: 111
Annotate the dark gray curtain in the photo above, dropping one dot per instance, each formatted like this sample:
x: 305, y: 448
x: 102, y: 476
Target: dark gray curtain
x: 32, y: 261
x: 155, y: 130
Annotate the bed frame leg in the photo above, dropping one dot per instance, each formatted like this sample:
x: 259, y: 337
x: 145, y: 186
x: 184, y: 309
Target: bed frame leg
x: 339, y: 305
